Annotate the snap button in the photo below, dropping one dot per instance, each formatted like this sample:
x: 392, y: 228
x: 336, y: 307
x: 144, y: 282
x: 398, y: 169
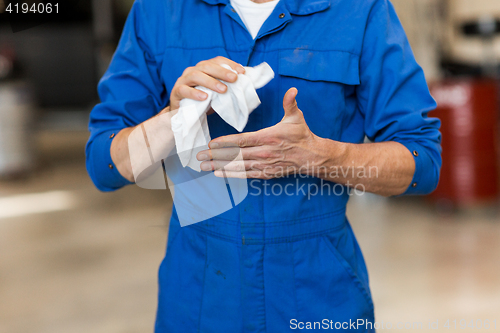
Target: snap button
x: 112, y: 136
x: 111, y: 166
x: 282, y: 15
x: 415, y: 153
x: 414, y: 185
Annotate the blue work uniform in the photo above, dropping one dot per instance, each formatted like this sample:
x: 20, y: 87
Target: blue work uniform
x: 276, y: 261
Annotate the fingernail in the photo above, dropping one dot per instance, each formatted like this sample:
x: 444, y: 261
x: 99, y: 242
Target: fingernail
x: 214, y: 145
x: 202, y: 157
x: 202, y: 95
x: 232, y: 76
x: 205, y: 166
x: 221, y: 87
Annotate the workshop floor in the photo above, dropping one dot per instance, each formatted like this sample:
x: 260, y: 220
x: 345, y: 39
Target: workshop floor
x: 85, y: 261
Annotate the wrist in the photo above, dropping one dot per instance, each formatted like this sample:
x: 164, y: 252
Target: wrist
x: 165, y: 110
x: 330, y: 154
x: 120, y: 154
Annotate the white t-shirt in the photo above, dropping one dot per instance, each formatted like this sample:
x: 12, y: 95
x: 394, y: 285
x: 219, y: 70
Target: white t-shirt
x: 253, y: 14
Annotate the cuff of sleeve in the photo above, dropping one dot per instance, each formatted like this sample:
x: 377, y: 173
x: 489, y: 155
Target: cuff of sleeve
x: 108, y: 178
x: 422, y: 183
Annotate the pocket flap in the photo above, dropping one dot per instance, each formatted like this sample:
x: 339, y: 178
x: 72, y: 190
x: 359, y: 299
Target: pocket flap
x: 333, y: 66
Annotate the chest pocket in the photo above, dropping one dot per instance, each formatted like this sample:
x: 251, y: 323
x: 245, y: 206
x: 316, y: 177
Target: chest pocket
x: 325, y: 80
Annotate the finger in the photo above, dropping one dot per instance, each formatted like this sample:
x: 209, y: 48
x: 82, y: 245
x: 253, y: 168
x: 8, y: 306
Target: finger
x: 222, y: 154
x: 238, y: 165
x: 236, y: 153
x: 241, y: 175
x: 290, y: 103
x: 185, y: 91
x: 204, y: 155
x: 242, y: 140
x: 254, y: 168
x: 199, y: 78
x: 215, y: 70
x: 230, y: 174
x: 181, y: 91
x: 234, y: 65
x: 235, y: 165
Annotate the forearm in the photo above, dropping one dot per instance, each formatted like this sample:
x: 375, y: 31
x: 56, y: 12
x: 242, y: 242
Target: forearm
x: 120, y: 153
x: 384, y: 168
x: 290, y: 147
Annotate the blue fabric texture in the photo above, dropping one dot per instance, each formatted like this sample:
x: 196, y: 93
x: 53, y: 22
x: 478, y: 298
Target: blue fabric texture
x: 274, y: 257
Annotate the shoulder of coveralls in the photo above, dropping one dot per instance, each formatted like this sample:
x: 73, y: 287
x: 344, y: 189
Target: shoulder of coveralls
x: 150, y: 17
x: 162, y: 23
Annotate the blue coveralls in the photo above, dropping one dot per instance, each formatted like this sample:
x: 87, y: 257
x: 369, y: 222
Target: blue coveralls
x: 274, y: 257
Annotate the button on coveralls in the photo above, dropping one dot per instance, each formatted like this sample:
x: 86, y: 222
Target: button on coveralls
x: 276, y: 256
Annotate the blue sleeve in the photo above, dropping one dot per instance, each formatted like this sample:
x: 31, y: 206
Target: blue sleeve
x: 394, y: 97
x: 130, y: 92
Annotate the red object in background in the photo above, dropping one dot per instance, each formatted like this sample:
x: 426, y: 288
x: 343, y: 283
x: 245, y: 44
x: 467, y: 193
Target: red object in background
x: 469, y: 112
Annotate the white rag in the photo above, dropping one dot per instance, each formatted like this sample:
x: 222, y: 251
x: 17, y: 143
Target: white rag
x: 190, y: 124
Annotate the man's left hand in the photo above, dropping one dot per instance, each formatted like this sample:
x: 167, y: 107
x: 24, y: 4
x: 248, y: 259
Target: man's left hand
x: 286, y: 148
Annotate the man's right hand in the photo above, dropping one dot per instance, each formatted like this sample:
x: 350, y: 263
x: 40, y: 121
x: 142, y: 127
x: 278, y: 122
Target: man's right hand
x: 207, y: 74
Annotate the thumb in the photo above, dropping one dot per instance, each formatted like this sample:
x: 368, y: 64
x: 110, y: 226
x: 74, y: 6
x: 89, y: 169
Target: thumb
x: 289, y: 102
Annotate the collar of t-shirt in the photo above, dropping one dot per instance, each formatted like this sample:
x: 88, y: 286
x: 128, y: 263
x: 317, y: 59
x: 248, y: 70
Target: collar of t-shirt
x: 253, y: 14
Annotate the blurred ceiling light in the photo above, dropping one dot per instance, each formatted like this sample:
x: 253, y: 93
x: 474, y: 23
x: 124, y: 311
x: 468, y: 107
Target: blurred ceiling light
x: 28, y: 204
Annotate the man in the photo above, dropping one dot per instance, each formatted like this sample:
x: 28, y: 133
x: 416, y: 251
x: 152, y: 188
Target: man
x: 344, y: 71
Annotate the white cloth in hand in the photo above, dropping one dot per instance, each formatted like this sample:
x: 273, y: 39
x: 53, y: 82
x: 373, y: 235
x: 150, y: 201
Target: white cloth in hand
x: 190, y: 124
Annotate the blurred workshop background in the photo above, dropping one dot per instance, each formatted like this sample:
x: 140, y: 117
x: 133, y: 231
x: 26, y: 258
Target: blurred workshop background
x: 76, y: 260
